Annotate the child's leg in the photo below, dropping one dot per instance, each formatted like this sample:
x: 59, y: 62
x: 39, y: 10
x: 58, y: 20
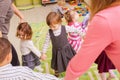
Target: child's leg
x: 56, y: 73
x: 103, y: 76
x: 39, y: 68
x: 111, y: 74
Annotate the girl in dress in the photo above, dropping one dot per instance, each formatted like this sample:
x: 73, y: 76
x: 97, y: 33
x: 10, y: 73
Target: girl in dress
x: 62, y: 52
x: 30, y: 55
x: 74, y: 39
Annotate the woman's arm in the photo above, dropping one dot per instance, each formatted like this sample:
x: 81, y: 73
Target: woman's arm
x: 98, y: 37
x: 45, y: 46
x: 18, y: 13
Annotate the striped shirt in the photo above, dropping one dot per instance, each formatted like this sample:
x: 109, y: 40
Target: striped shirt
x: 8, y: 72
x: 57, y: 33
x: 75, y: 39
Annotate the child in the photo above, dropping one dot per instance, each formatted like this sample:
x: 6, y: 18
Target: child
x: 59, y: 7
x: 30, y: 55
x: 74, y: 39
x: 62, y: 52
x: 104, y: 63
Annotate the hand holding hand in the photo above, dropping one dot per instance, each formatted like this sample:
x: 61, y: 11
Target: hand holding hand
x: 43, y: 56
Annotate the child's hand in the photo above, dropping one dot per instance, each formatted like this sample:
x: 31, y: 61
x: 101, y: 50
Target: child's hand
x: 43, y: 56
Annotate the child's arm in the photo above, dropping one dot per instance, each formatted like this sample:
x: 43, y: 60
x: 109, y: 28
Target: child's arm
x: 45, y: 46
x: 18, y: 13
x: 75, y: 30
x: 34, y: 49
x: 46, y: 43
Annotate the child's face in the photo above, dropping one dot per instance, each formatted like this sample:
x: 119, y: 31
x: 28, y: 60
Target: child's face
x: 54, y: 26
x: 21, y: 35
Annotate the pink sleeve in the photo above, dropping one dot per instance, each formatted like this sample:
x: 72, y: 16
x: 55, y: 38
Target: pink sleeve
x: 97, y: 38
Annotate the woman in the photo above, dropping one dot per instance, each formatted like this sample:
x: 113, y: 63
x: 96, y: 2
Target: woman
x: 104, y: 63
x: 6, y: 12
x: 103, y: 34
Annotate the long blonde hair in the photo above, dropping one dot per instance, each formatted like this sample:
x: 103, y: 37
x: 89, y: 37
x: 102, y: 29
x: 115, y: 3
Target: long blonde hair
x: 98, y: 5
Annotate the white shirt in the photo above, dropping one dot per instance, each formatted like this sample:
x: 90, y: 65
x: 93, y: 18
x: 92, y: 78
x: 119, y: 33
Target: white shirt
x: 26, y: 46
x: 9, y: 72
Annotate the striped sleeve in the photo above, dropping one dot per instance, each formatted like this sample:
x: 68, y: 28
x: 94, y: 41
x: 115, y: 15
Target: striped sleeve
x: 46, y: 43
x: 37, y: 76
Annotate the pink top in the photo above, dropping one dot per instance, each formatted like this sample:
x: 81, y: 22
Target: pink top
x: 73, y: 35
x: 103, y: 34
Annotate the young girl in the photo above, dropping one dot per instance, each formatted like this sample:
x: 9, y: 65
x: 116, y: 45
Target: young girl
x: 30, y: 55
x: 74, y: 39
x: 62, y: 51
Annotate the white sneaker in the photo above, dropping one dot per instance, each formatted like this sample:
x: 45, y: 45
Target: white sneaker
x: 39, y: 68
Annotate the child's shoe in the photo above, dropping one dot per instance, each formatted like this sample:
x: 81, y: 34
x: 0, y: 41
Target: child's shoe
x: 56, y: 74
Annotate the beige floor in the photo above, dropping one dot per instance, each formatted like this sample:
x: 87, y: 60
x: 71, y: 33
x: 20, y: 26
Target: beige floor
x: 34, y: 15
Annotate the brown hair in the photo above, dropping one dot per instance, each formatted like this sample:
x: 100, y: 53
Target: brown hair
x: 26, y: 29
x: 69, y: 15
x: 53, y: 18
x: 98, y: 5
x: 5, y: 48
